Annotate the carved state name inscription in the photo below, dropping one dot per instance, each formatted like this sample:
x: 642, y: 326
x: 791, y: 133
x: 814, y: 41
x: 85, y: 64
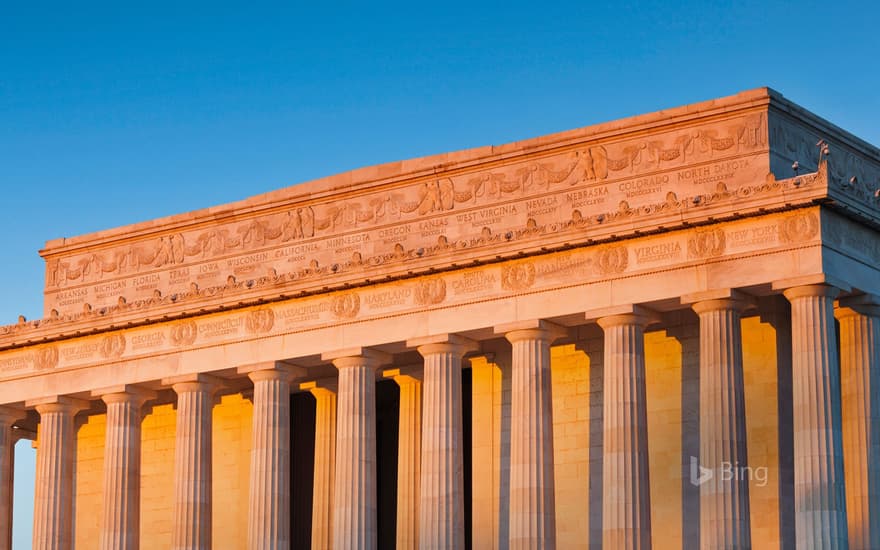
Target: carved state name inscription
x: 394, y: 222
x: 581, y: 266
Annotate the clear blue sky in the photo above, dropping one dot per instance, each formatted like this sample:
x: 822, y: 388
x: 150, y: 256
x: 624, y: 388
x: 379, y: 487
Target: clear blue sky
x: 112, y: 114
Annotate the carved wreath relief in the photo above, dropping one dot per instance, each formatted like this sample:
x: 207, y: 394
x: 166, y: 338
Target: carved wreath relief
x: 591, y: 164
x: 260, y: 321
x: 459, y: 212
x: 46, y: 358
x: 184, y: 334
x: 518, y: 276
x: 112, y: 346
x: 799, y: 227
x: 707, y: 243
x: 430, y: 291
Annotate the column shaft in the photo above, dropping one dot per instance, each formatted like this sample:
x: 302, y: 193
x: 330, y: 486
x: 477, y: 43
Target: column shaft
x: 354, y: 499
x: 626, y: 505
x: 441, y: 484
x: 724, y: 499
x: 120, y: 529
x: 409, y: 447
x: 820, y: 507
x: 860, y: 403
x: 7, y: 456
x: 191, y: 515
x: 53, y: 497
x: 532, y: 509
x: 325, y: 465
x: 269, y: 502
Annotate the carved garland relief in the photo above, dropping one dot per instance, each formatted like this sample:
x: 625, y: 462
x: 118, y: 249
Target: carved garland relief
x: 850, y: 172
x: 177, y: 252
x: 464, y: 286
x: 609, y: 260
x: 583, y: 171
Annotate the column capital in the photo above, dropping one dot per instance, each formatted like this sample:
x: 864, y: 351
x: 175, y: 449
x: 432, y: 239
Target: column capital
x: 443, y: 343
x: 58, y: 403
x: 124, y: 392
x: 271, y: 370
x: 194, y: 382
x: 821, y: 279
x: 794, y: 292
x: 863, y: 304
x: 628, y: 314
x: 357, y: 357
x: 537, y: 329
x: 713, y: 300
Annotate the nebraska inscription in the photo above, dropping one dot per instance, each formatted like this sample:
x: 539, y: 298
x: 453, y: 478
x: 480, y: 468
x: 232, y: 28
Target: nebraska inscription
x: 446, y: 210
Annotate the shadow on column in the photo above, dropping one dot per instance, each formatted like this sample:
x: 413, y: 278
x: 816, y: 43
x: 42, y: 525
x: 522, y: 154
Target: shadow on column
x: 467, y: 438
x: 687, y: 333
x: 776, y: 311
x: 594, y: 349
x: 504, y: 361
x: 302, y: 468
x: 387, y: 423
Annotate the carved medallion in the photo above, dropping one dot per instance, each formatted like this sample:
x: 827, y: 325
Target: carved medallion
x: 430, y: 291
x: 518, y: 276
x: 706, y: 243
x: 184, y: 334
x: 798, y: 228
x: 345, y: 306
x: 112, y: 346
x: 260, y: 321
x: 46, y: 358
x: 611, y: 260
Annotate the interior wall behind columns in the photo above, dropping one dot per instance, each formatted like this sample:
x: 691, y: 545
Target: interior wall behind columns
x: 684, y: 327
x: 89, y: 492
x: 762, y: 425
x: 572, y: 368
x: 233, y: 419
x: 663, y: 381
x: 157, y: 476
x: 490, y: 445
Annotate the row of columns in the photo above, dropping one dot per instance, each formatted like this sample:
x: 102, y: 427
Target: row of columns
x: 830, y: 511
x: 430, y: 488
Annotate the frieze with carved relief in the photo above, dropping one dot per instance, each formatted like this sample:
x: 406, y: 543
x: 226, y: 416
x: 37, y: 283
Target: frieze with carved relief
x: 301, y: 234
x: 607, y: 263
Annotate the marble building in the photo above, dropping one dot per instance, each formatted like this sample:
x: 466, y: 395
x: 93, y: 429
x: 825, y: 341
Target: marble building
x: 659, y: 332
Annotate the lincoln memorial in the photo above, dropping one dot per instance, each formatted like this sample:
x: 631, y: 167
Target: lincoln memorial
x: 658, y: 332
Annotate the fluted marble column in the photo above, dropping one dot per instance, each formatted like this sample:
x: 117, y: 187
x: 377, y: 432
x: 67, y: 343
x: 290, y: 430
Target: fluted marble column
x: 325, y: 464
x: 441, y: 483
x: 120, y: 527
x: 532, y: 507
x: 409, y: 446
x: 8, y: 416
x: 820, y: 506
x: 354, y: 499
x: 860, y: 402
x: 269, y: 495
x: 724, y: 498
x: 53, y: 497
x: 191, y: 508
x: 626, y: 502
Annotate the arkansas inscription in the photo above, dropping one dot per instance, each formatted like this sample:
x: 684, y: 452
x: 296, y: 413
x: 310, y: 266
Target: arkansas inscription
x: 447, y: 210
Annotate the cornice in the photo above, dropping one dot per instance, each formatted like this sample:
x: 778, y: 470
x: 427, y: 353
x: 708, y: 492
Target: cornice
x: 531, y: 240
x: 413, y: 170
